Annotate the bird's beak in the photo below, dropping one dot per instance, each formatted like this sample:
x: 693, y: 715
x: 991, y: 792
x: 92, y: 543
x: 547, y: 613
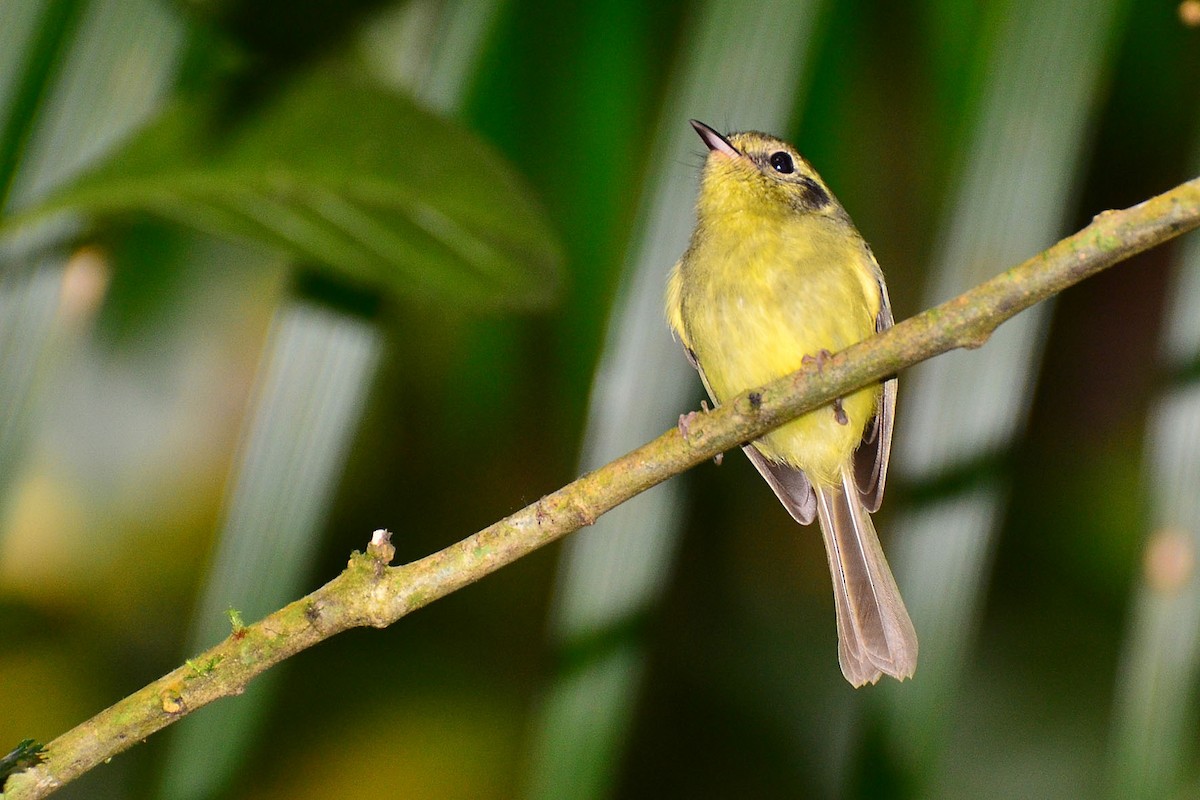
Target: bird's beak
x: 715, y: 141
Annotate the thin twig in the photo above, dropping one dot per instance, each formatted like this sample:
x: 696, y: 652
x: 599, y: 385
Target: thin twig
x: 370, y: 592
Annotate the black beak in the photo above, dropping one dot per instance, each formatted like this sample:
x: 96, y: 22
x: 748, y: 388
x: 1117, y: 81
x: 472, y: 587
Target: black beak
x: 715, y: 141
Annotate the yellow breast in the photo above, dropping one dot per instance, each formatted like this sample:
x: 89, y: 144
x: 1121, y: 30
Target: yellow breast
x: 752, y: 297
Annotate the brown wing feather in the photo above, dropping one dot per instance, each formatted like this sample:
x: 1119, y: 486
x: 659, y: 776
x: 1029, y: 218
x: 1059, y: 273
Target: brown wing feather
x: 873, y: 453
x: 790, y: 485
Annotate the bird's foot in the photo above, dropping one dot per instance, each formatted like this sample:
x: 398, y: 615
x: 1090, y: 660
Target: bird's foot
x: 819, y: 359
x: 839, y: 413
x: 685, y: 423
x: 686, y: 420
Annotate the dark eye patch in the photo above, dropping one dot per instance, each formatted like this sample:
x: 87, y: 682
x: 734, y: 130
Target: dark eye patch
x: 812, y: 196
x: 782, y: 163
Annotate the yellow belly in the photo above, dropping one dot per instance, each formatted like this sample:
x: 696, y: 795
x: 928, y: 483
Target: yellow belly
x: 752, y: 308
x: 817, y: 443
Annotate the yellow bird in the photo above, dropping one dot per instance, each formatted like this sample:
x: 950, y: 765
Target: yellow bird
x: 776, y: 275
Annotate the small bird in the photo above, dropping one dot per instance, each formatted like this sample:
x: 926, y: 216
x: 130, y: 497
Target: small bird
x: 776, y: 276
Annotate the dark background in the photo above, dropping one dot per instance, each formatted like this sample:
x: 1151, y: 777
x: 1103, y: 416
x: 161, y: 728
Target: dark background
x: 111, y: 511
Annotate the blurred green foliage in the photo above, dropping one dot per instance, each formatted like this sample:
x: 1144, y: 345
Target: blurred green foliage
x: 340, y: 174
x: 276, y: 133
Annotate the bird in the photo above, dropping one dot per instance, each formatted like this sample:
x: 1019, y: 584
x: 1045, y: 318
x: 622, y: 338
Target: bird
x: 775, y: 277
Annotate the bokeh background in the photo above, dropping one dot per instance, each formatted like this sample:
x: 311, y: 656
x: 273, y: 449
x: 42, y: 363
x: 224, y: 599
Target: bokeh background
x: 273, y: 275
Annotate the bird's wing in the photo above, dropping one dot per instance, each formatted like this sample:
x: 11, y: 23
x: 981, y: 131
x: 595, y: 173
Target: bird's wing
x: 790, y: 485
x: 871, y: 457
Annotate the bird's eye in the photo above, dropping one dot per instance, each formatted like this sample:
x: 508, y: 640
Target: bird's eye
x: 782, y: 162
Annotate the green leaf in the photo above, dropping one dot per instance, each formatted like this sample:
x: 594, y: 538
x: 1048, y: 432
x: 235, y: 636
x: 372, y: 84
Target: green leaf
x: 344, y: 175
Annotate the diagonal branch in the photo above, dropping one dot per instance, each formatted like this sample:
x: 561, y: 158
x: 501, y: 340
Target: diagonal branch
x: 370, y: 592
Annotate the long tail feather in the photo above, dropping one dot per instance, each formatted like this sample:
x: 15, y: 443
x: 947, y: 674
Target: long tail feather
x: 875, y: 634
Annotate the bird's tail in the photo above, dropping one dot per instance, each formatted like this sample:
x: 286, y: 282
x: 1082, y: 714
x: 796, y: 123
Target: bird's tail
x: 875, y: 634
